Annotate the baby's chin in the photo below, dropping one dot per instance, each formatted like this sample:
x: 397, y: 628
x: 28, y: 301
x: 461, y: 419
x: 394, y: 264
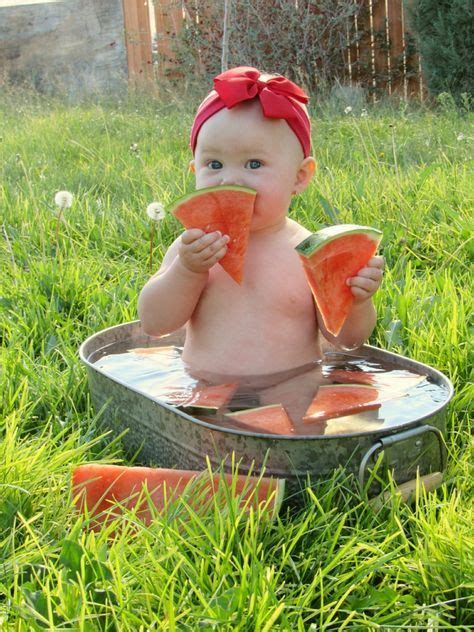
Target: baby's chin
x: 261, y: 224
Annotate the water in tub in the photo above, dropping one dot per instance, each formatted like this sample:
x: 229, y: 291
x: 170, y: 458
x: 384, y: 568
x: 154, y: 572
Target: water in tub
x: 345, y: 393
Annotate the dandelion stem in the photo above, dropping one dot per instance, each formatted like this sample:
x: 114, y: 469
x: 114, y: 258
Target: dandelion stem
x: 58, y: 223
x: 152, y: 236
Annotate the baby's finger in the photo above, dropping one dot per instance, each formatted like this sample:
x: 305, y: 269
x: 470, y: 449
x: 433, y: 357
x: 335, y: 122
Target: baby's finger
x: 375, y: 274
x: 211, y: 250
x: 216, y: 256
x: 190, y: 235
x: 363, y: 283
x: 360, y: 294
x: 376, y: 262
x: 205, y: 241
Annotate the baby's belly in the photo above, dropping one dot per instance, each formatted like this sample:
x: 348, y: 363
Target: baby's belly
x: 264, y: 343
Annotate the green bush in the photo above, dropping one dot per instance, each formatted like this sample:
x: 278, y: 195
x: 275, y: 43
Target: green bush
x: 445, y: 34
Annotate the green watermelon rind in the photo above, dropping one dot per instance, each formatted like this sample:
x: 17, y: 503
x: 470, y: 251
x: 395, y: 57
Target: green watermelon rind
x: 199, y: 192
x: 323, y: 237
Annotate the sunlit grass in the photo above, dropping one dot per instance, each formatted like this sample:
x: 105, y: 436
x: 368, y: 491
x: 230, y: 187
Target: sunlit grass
x: 335, y: 563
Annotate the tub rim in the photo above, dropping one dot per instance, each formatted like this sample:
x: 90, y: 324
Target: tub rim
x: 263, y: 435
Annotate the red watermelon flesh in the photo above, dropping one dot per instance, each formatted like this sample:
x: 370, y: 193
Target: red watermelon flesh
x: 226, y: 209
x: 209, y: 399
x: 272, y: 419
x: 340, y: 400
x: 396, y: 381
x: 329, y: 258
x: 107, y: 490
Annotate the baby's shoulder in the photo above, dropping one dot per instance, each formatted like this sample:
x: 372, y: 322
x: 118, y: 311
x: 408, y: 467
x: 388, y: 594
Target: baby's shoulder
x: 296, y: 232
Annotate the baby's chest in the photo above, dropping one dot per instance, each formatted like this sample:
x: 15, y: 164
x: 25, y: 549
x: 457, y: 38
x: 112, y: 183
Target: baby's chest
x: 274, y: 283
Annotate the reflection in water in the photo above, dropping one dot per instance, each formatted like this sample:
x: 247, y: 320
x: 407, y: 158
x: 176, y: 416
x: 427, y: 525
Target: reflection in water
x: 374, y: 395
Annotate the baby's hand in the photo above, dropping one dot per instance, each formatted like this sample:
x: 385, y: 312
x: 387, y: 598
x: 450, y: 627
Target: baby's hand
x: 368, y: 280
x: 199, y: 251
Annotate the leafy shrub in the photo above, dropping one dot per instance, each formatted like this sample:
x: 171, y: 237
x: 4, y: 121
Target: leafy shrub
x: 445, y: 34
x: 305, y: 41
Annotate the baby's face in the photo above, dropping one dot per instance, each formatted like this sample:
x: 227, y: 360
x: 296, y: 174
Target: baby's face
x: 242, y: 147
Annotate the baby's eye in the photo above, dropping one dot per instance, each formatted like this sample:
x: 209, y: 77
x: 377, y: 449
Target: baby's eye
x: 214, y: 164
x: 253, y: 164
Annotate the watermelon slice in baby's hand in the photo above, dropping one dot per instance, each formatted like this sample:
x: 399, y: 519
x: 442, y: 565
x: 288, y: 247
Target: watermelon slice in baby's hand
x: 227, y: 209
x: 330, y: 257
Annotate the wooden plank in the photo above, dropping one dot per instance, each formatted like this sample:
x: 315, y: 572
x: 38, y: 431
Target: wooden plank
x: 138, y: 41
x: 414, y: 85
x: 356, y: 51
x: 169, y: 22
x: 379, y: 44
x: 352, y: 50
x: 210, y: 16
x: 397, y: 48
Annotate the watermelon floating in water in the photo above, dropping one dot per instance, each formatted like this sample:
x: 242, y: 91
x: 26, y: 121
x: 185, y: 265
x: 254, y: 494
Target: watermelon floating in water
x: 209, y: 399
x: 272, y: 419
x: 396, y: 381
x: 339, y: 400
x: 105, y: 491
x: 330, y: 257
x: 228, y: 209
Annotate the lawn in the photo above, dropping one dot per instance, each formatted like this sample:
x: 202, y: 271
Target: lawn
x: 334, y: 564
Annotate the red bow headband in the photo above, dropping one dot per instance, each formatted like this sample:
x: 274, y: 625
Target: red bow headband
x: 279, y: 97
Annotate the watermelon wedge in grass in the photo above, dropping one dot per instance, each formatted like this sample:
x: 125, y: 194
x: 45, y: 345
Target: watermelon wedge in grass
x: 339, y: 400
x: 331, y: 256
x: 227, y: 209
x: 104, y: 492
x: 272, y: 419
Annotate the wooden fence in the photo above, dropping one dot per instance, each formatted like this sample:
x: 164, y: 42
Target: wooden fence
x: 383, y: 58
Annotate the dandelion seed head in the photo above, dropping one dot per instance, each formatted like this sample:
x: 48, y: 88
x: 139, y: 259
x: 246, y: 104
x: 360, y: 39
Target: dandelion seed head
x: 134, y: 147
x: 155, y: 211
x: 348, y: 109
x: 364, y: 113
x: 460, y: 137
x: 63, y: 199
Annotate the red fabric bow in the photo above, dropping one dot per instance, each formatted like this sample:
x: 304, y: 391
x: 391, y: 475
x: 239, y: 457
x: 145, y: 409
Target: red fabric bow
x: 279, y: 97
x: 275, y: 95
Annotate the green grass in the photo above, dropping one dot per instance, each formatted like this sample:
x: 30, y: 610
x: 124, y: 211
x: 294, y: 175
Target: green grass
x: 336, y: 564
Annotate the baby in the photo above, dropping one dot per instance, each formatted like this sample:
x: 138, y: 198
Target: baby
x: 253, y: 130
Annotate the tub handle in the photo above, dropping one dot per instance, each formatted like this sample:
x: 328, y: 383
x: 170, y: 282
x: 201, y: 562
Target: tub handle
x: 385, y: 442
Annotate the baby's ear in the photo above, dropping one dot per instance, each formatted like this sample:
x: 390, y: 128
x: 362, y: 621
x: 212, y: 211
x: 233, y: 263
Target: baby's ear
x: 192, y: 166
x: 304, y: 174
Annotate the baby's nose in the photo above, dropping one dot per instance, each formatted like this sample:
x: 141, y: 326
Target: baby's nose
x: 230, y: 178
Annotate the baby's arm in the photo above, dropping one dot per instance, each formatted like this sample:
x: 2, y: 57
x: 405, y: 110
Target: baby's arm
x: 169, y: 298
x: 362, y: 318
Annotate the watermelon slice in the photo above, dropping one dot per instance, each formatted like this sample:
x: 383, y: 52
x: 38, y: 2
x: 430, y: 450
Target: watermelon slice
x: 227, y: 209
x: 330, y: 257
x: 341, y: 400
x: 272, y: 419
x: 107, y: 490
x: 396, y: 381
x: 209, y: 399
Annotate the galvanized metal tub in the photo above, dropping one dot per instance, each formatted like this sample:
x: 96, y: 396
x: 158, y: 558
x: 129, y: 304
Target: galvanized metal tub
x: 164, y: 436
